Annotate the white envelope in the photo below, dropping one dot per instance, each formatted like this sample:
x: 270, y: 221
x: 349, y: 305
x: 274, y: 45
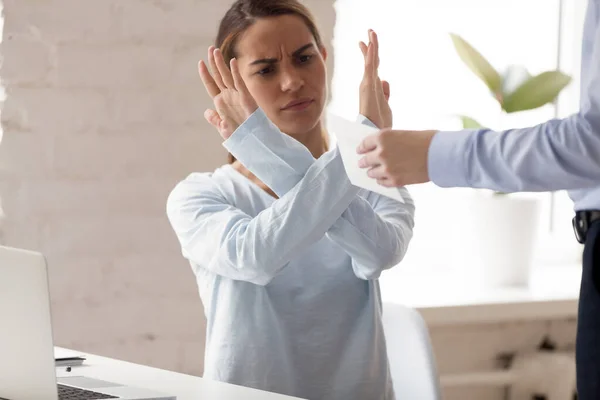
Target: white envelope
x: 349, y: 135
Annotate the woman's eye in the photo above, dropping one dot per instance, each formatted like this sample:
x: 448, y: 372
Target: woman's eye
x: 265, y: 71
x: 305, y: 58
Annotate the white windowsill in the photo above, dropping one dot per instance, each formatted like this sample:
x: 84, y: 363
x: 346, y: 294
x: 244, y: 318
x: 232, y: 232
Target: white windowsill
x: 445, y: 298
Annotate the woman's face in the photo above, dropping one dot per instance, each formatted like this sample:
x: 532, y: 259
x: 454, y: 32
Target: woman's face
x: 284, y: 70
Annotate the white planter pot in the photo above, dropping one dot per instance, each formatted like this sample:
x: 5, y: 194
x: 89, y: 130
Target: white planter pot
x: 500, y: 237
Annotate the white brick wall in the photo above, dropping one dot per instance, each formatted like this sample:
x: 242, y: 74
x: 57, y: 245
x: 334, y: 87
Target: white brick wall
x: 103, y: 115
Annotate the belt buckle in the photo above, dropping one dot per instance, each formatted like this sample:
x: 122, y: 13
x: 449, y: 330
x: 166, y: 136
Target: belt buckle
x: 580, y: 226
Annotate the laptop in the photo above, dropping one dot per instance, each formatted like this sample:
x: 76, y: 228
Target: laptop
x: 27, y: 365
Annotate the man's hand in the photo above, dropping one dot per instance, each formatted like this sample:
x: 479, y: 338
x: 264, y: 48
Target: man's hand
x: 396, y: 158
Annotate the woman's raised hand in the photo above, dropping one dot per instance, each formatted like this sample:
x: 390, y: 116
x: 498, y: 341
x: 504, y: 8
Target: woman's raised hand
x: 373, y: 92
x: 233, y: 102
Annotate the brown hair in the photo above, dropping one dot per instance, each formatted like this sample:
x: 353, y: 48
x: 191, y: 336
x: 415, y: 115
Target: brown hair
x: 243, y: 14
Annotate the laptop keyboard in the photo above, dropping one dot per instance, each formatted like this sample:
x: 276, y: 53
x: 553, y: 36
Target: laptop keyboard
x: 71, y: 393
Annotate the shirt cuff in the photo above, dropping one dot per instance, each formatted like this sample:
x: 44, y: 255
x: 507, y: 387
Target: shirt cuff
x: 262, y: 148
x: 446, y: 157
x: 253, y: 122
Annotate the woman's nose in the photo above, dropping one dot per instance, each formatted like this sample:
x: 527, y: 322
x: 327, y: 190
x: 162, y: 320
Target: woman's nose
x: 291, y: 80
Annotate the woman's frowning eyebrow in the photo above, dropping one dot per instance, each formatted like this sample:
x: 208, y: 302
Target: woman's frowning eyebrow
x: 274, y: 60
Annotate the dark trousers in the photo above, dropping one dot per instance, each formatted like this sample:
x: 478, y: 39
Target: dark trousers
x: 588, y: 324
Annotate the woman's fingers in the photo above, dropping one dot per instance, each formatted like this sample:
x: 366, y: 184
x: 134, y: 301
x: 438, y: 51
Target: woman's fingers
x: 223, y: 70
x: 238, y: 81
x: 371, y: 54
x: 375, y: 40
x: 372, y: 62
x: 207, y: 80
x: 385, y: 86
x: 213, y: 118
x: 221, y: 124
x: 369, y: 63
x: 363, y: 49
x: 213, y: 67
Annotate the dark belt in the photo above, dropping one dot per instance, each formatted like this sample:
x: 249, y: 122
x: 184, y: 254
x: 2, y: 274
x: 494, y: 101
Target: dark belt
x: 582, y: 222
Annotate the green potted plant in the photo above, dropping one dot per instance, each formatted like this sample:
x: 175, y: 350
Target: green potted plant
x: 516, y: 89
x: 501, y: 231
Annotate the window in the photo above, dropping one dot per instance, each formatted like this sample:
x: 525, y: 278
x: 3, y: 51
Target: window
x: 430, y: 85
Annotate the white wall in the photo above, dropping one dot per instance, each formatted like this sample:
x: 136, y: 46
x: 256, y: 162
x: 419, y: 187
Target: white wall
x: 103, y: 115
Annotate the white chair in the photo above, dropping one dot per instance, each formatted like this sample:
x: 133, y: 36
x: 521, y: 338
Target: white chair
x: 412, y: 363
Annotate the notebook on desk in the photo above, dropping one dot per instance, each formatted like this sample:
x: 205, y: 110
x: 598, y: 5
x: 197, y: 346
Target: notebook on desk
x: 67, y: 358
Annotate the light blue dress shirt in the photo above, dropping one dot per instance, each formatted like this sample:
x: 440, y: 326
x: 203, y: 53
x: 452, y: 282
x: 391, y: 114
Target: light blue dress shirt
x: 290, y: 285
x: 561, y: 154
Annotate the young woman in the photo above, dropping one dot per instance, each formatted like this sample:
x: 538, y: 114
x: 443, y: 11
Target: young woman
x: 286, y: 251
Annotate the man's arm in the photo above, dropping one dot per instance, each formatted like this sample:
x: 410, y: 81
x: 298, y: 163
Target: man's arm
x: 556, y: 155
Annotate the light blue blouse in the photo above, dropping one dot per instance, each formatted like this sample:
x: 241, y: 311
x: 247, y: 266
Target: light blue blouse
x: 290, y: 285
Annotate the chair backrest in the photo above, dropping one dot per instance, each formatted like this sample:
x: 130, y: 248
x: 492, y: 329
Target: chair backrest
x: 412, y: 363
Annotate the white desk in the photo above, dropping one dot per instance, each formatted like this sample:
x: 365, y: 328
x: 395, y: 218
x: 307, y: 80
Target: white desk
x: 185, y: 387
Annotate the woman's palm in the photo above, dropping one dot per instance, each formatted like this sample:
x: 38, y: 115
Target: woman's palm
x: 233, y: 102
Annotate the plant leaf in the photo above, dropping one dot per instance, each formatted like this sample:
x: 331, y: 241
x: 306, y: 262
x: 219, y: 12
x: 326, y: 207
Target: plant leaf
x: 469, y: 123
x: 513, y: 77
x: 477, y: 63
x: 536, y: 91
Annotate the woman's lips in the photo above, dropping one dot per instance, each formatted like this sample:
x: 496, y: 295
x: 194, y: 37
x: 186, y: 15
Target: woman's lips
x: 298, y: 105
